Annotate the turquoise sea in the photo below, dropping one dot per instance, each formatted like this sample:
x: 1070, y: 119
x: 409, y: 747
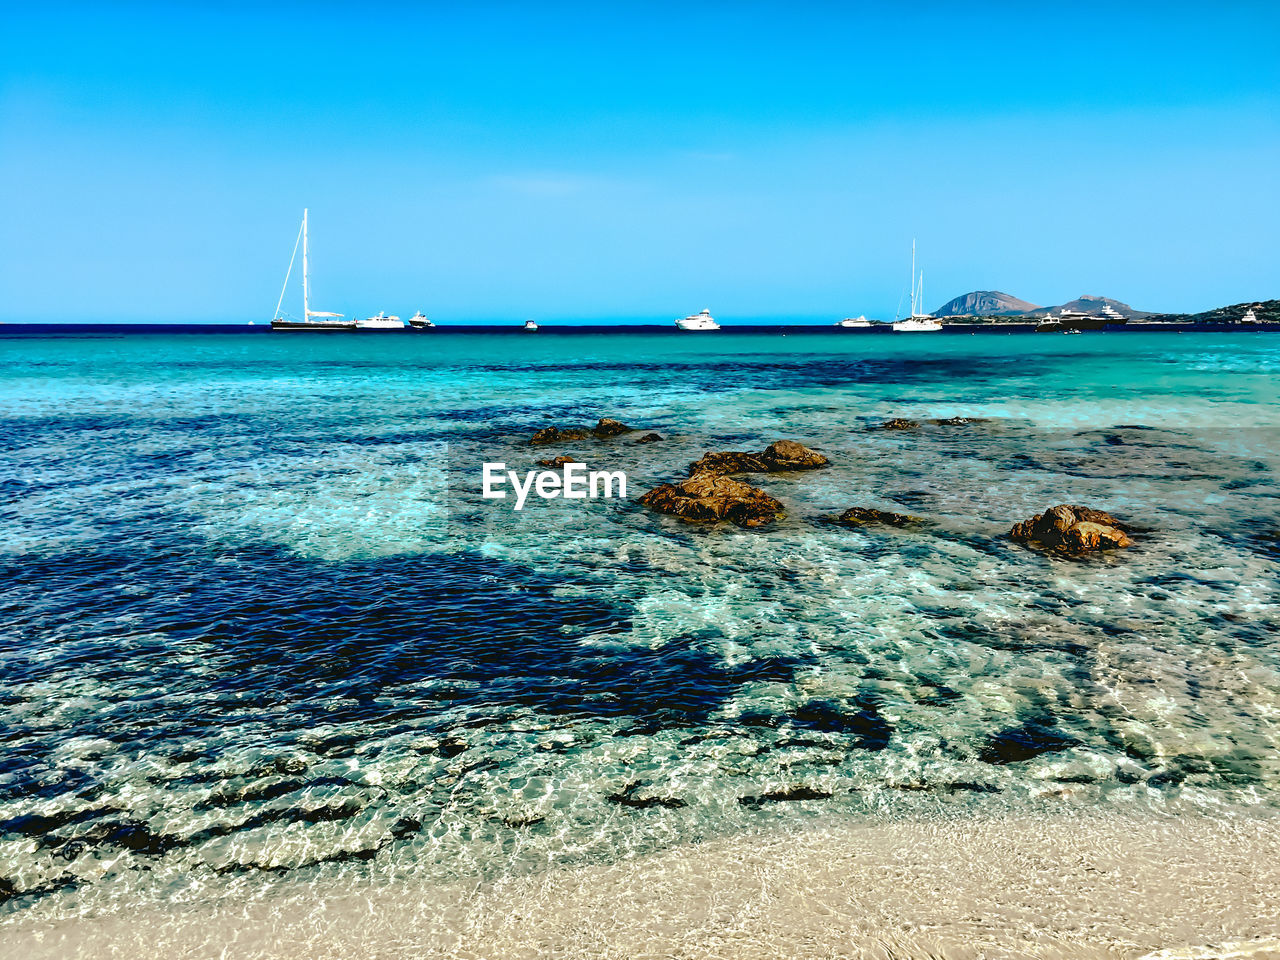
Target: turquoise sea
x: 258, y: 627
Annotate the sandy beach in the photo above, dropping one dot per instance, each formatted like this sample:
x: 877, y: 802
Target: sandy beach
x: 1085, y: 886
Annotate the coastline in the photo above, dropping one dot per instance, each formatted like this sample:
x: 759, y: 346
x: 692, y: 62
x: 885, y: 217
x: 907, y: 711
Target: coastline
x: 1074, y: 885
x: 15, y: 331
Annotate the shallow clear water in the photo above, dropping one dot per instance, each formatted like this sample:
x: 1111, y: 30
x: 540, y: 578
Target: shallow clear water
x: 258, y: 627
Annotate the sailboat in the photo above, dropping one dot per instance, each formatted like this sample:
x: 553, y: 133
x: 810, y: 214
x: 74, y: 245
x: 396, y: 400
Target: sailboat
x: 316, y: 320
x: 918, y: 322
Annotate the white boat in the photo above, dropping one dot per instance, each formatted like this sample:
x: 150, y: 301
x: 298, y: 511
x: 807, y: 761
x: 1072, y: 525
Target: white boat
x: 1079, y: 320
x: 853, y: 323
x: 381, y: 322
x: 918, y: 322
x: 315, y: 320
x: 420, y: 321
x: 1249, y: 317
x: 698, y: 321
x: 531, y: 326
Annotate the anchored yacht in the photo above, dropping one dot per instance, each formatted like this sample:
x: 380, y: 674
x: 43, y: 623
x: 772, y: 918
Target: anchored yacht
x: 918, y: 322
x: 854, y: 323
x: 381, y: 322
x: 698, y: 321
x: 315, y: 320
x: 1249, y: 317
x: 420, y: 321
x: 1068, y: 320
x: 531, y: 326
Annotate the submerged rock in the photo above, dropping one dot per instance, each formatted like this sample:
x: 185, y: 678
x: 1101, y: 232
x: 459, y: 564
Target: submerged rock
x: 901, y: 423
x: 1024, y: 743
x: 634, y: 795
x: 557, y: 435
x: 863, y: 516
x: 793, y: 793
x: 710, y: 496
x: 1072, y: 531
x: 728, y: 461
x: 609, y: 428
x: 556, y: 462
x: 603, y: 430
x: 957, y: 421
x: 779, y: 456
x: 650, y: 438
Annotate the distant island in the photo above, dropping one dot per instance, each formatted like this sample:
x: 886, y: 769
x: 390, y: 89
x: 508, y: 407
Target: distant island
x: 995, y: 306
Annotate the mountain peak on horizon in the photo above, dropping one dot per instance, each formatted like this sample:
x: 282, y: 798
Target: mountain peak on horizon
x: 984, y: 303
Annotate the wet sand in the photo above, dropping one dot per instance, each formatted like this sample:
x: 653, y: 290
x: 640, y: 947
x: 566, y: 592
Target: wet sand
x: 1084, y: 886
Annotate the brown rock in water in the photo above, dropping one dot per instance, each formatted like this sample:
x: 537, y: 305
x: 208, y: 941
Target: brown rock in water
x: 957, y: 421
x: 560, y: 461
x: 609, y: 428
x: 790, y: 455
x: 898, y: 423
x: 556, y: 435
x: 728, y: 461
x: 1072, y: 531
x: 708, y: 496
x: 862, y: 516
x: 650, y: 438
x: 779, y: 456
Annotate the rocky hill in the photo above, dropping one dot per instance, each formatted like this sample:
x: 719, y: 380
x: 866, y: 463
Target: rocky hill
x: 1267, y: 311
x: 993, y: 303
x: 985, y: 303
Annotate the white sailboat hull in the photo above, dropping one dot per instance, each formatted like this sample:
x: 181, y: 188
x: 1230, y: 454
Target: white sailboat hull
x: 313, y: 325
x: 918, y: 325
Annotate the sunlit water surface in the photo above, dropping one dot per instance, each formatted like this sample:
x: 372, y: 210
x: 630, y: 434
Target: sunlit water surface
x: 257, y: 627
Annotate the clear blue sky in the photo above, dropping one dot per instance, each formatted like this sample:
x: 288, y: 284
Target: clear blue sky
x: 597, y: 160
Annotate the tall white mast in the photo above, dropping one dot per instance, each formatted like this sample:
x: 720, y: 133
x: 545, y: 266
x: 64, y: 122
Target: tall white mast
x: 306, y: 293
x: 913, y: 269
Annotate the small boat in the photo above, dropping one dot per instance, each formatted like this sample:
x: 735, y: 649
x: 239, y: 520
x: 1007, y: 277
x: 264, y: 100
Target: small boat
x: 531, y: 326
x: 1249, y: 317
x: 312, y: 320
x: 698, y: 321
x: 854, y: 323
x: 1071, y: 330
x: 918, y: 322
x: 420, y: 321
x: 381, y: 322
